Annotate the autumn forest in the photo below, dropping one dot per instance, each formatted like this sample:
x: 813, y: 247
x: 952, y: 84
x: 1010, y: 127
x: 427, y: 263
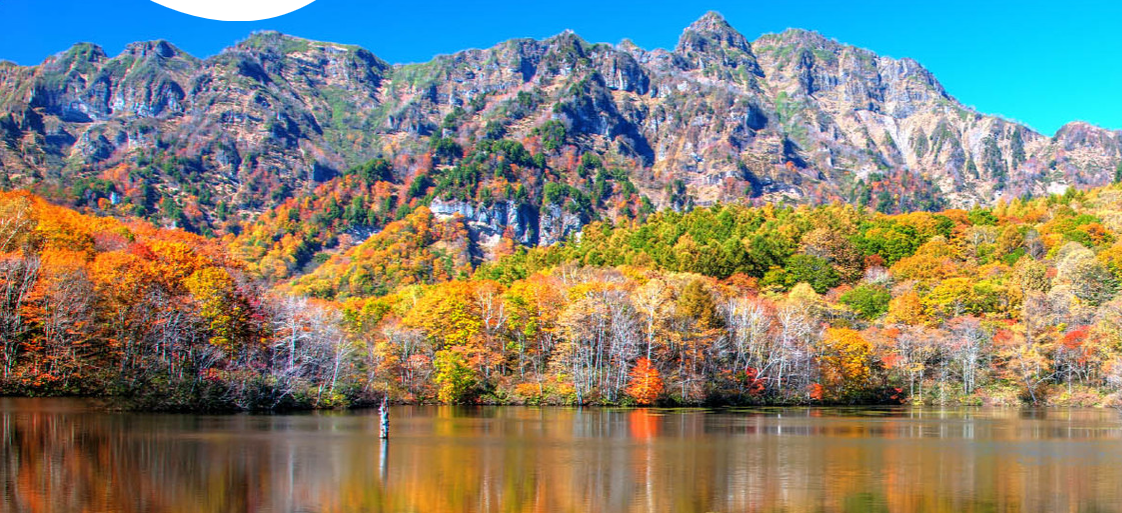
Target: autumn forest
x: 725, y: 304
x: 298, y: 224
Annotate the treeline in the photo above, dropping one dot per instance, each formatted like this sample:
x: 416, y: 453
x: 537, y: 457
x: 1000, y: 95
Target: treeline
x: 720, y: 305
x: 160, y: 318
x: 733, y: 304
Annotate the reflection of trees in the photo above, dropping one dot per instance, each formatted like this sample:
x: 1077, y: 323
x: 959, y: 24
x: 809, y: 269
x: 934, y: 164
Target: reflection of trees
x: 450, y: 459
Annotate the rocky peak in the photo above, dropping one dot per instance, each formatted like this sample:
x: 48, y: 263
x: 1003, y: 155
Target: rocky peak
x: 567, y: 42
x: 561, y: 55
x: 272, y: 42
x: 1076, y: 126
x: 1078, y: 134
x: 804, y: 48
x: 713, y: 26
x: 710, y: 43
x: 629, y: 46
x: 80, y: 55
x: 806, y: 63
x: 159, y: 49
x: 270, y: 45
x: 801, y: 37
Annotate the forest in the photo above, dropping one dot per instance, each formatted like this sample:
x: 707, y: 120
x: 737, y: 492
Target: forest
x: 718, y: 305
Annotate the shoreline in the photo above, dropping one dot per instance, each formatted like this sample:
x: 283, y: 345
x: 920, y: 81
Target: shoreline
x: 109, y: 403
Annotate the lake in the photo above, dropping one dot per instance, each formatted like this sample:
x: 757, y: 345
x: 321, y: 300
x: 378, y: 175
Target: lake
x: 71, y: 455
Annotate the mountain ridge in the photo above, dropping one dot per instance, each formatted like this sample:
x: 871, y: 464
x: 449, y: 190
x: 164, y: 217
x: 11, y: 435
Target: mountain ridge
x: 626, y: 43
x: 592, y: 130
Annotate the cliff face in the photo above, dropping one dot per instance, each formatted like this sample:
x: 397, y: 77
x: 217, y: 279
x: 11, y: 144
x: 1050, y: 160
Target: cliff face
x: 791, y: 117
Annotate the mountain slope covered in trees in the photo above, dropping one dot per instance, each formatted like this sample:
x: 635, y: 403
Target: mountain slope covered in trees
x: 1018, y: 303
x: 725, y: 304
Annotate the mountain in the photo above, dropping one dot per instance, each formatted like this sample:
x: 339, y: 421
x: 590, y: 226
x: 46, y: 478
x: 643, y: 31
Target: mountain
x: 299, y: 146
x: 242, y: 127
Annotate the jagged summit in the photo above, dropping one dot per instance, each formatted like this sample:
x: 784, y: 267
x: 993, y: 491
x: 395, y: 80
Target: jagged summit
x: 282, y: 44
x: 1081, y: 134
x: 565, y: 37
x: 157, y: 48
x: 711, y: 21
x: 794, y: 34
x: 711, y: 30
x: 78, y: 53
x: 1080, y: 125
x: 711, y: 45
x: 264, y: 38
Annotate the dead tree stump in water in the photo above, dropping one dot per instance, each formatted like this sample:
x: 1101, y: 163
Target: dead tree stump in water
x: 384, y: 413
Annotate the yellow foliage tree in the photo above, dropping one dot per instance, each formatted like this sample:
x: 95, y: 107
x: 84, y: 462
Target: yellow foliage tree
x: 213, y: 290
x: 845, y: 360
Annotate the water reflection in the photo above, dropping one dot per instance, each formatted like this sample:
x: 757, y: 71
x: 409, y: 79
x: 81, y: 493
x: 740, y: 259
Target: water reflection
x: 62, y: 455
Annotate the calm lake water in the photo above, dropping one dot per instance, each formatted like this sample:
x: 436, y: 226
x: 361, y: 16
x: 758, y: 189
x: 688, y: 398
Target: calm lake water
x: 68, y: 455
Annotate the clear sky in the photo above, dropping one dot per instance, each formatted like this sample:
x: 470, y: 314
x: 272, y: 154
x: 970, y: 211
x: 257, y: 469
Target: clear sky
x: 1040, y: 63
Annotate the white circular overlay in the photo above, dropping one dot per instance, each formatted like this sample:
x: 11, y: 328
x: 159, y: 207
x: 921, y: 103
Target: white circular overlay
x: 235, y: 10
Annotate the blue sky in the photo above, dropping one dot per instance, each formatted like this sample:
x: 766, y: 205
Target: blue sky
x: 1041, y: 63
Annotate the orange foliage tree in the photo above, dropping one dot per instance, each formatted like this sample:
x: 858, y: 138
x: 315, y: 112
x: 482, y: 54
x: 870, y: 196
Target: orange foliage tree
x: 646, y: 384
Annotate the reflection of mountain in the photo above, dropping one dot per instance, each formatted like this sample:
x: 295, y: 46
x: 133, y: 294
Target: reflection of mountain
x: 444, y: 459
